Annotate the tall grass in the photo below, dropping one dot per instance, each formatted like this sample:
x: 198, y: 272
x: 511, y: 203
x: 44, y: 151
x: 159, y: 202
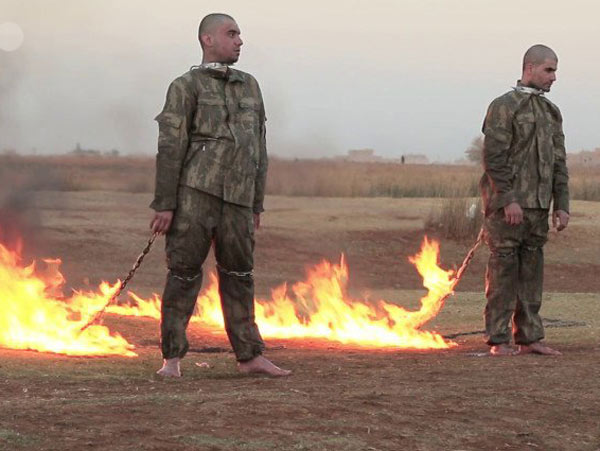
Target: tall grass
x: 313, y: 178
x: 457, y: 218
x: 326, y: 178
x: 77, y: 173
x: 584, y: 183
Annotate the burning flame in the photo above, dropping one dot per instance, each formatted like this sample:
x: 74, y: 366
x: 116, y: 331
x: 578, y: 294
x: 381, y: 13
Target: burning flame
x: 33, y: 316
x: 319, y: 307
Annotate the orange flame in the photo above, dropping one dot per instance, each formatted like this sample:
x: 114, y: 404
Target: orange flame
x: 320, y: 308
x: 34, y: 318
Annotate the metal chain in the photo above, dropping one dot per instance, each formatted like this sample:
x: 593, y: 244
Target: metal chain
x: 465, y: 264
x: 235, y: 273
x: 136, y: 265
x: 138, y: 262
x: 124, y: 283
x: 468, y: 258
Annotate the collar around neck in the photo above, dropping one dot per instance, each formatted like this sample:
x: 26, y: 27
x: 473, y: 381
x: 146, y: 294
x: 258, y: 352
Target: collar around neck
x: 527, y: 90
x: 220, y: 70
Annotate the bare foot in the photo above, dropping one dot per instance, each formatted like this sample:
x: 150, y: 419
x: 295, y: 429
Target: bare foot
x: 538, y: 348
x: 502, y: 350
x: 170, y: 368
x: 260, y: 365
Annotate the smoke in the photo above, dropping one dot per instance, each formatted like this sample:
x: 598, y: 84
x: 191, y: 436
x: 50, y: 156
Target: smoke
x: 21, y: 226
x: 130, y: 127
x: 12, y: 65
x: 19, y: 222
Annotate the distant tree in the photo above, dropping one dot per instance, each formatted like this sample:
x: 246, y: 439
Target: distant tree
x: 474, y: 152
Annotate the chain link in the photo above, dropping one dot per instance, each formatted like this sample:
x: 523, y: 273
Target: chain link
x: 138, y: 262
x: 468, y: 258
x: 235, y: 273
x: 465, y: 264
x: 123, y: 284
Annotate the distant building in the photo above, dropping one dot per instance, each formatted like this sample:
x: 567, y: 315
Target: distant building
x: 84, y: 152
x: 79, y: 151
x: 363, y: 156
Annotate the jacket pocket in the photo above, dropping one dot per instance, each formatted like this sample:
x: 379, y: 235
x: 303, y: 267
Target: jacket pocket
x: 524, y: 130
x: 170, y: 119
x: 249, y: 114
x: 211, y: 117
x: 203, y: 150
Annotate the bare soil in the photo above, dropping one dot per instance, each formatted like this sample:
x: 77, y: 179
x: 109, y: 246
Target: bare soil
x: 339, y: 397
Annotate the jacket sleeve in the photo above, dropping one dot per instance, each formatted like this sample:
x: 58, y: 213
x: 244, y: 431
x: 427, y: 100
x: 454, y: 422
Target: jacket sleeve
x: 560, y: 176
x: 263, y: 163
x: 498, y: 135
x: 173, y: 136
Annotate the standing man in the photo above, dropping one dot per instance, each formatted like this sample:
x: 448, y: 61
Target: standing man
x: 525, y: 174
x: 211, y: 169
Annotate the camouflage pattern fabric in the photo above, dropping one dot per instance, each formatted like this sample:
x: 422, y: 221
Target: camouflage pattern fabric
x: 200, y: 220
x: 515, y: 276
x: 524, y: 154
x: 525, y: 162
x: 212, y: 138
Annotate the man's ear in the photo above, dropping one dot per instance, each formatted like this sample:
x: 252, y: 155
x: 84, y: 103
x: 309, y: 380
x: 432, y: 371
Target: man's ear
x: 206, y: 40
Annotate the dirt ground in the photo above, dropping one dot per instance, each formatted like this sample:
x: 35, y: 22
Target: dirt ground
x: 339, y: 397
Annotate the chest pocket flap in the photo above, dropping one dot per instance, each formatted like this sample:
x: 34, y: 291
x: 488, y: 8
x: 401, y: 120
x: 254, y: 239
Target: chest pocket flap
x: 211, y: 102
x: 249, y: 104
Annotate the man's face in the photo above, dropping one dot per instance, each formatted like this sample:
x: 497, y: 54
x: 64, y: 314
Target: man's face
x: 541, y: 76
x: 225, y: 43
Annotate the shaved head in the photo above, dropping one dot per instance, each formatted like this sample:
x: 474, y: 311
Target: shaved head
x: 209, y: 24
x: 538, y: 54
x: 540, y: 64
x: 219, y: 37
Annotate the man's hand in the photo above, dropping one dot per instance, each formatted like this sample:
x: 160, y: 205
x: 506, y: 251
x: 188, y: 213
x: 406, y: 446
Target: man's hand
x: 560, y: 219
x: 256, y: 221
x: 161, y: 222
x: 513, y: 214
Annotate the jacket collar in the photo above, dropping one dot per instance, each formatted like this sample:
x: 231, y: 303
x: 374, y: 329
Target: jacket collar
x: 223, y: 71
x: 235, y: 75
x: 527, y: 90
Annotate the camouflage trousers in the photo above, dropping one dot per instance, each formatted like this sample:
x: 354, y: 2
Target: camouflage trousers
x: 515, y: 276
x: 201, y: 220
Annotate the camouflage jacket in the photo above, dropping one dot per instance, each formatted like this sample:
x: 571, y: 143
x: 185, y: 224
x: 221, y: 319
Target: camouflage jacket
x: 212, y: 138
x: 524, y: 154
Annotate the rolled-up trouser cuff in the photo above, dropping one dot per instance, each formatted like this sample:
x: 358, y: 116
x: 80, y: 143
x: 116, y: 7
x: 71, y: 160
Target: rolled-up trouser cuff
x: 244, y: 357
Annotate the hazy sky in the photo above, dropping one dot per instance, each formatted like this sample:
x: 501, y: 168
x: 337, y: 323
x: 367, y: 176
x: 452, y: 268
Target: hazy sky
x: 404, y: 76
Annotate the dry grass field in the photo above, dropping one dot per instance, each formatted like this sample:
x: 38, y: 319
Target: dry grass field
x: 310, y: 178
x: 339, y: 397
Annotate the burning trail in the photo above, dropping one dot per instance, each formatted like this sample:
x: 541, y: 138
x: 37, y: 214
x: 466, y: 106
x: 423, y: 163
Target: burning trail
x: 319, y: 307
x: 33, y: 316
